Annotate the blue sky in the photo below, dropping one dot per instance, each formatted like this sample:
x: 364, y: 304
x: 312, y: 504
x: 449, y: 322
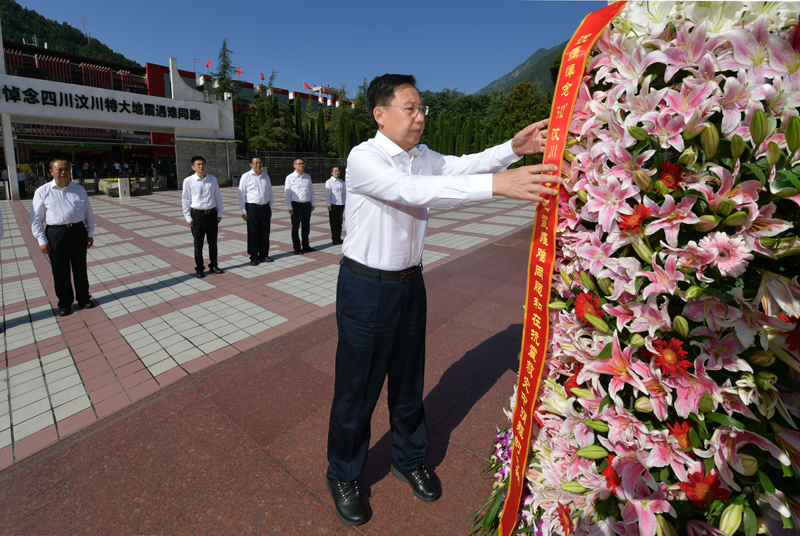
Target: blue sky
x: 458, y: 45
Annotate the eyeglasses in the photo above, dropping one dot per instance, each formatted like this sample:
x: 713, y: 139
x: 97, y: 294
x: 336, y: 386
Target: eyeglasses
x: 410, y: 110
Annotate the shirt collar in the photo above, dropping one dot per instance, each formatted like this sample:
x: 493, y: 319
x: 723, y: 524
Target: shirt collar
x: 391, y: 147
x: 53, y: 184
x: 198, y: 177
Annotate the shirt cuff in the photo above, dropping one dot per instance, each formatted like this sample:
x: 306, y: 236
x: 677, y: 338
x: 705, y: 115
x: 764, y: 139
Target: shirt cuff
x: 480, y: 187
x: 42, y: 241
x: 507, y: 155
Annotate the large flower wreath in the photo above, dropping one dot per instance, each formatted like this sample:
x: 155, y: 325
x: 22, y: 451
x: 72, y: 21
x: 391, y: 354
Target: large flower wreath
x: 671, y: 394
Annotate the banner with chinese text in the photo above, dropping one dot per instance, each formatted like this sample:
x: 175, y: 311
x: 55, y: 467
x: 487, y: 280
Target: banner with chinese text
x: 542, y: 257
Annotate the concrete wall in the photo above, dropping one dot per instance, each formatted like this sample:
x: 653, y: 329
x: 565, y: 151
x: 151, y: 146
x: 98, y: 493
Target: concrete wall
x: 214, y: 153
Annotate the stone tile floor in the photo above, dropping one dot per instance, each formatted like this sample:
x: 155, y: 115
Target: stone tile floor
x: 239, y: 447
x: 156, y: 324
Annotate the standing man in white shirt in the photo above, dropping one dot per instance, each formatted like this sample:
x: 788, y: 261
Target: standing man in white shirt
x: 202, y: 208
x: 63, y: 224
x: 334, y: 198
x: 256, y: 200
x: 299, y: 193
x: 381, y: 305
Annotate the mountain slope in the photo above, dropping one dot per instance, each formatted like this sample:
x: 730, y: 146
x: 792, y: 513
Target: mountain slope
x: 19, y: 22
x: 535, y: 69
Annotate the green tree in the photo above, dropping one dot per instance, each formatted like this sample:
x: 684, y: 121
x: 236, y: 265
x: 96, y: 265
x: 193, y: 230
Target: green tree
x: 271, y: 136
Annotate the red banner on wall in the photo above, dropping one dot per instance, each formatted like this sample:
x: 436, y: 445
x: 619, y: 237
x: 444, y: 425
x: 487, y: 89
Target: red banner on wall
x: 542, y: 257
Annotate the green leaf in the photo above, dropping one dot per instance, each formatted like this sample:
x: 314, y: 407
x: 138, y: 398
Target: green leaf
x: 755, y: 170
x: 766, y: 483
x: 749, y: 522
x: 606, y: 352
x: 604, y: 402
x: 709, y: 464
x: 724, y: 419
x: 787, y: 176
x: 787, y: 470
x: 663, y: 476
x: 694, y: 438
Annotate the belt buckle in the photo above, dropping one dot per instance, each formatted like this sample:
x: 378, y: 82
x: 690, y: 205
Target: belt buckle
x: 68, y: 225
x: 407, y: 277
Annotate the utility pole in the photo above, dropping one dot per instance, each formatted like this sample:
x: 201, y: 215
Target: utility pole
x: 84, y: 23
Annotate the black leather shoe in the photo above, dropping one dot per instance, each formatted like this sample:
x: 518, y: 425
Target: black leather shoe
x: 216, y: 270
x: 199, y: 275
x: 255, y: 262
x: 298, y: 252
x: 424, y: 482
x: 266, y: 259
x: 348, y: 502
x: 87, y: 305
x: 308, y: 250
x: 64, y: 311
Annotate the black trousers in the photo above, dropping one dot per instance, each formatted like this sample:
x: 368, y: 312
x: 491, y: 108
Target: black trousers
x: 68, y: 254
x: 259, y: 218
x: 335, y: 219
x: 381, y: 334
x: 205, y: 227
x: 302, y: 214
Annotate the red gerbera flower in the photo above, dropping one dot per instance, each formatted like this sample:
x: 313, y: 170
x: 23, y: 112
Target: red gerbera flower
x: 612, y: 478
x: 792, y: 337
x: 670, y: 357
x: 566, y: 521
x: 633, y: 222
x: 572, y: 381
x: 702, y: 489
x: 586, y: 303
x: 681, y: 432
x: 670, y: 175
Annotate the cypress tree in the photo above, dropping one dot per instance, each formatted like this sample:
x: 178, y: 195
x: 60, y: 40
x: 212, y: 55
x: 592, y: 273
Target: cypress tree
x: 484, y: 139
x: 456, y: 135
x: 320, y: 129
x: 298, y: 119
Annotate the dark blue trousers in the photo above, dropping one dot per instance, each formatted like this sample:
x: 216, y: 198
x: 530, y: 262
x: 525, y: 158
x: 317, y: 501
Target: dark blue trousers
x: 381, y: 334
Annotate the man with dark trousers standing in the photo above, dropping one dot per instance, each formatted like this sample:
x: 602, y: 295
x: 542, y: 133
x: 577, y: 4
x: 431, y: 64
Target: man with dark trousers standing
x: 381, y: 305
x: 63, y: 224
x: 256, y: 200
x: 299, y: 194
x: 334, y: 198
x: 202, y: 208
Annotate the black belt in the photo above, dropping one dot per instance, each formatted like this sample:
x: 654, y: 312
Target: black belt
x: 66, y: 225
x: 302, y: 202
x: 255, y: 205
x: 403, y: 276
x: 201, y: 211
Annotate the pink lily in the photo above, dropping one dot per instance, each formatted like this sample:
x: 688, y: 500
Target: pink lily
x: 618, y: 366
x: 595, y: 254
x: 789, y: 440
x: 631, y: 67
x: 667, y: 127
x: 693, y: 257
x: 691, y: 388
x: 647, y: 316
x: 709, y: 309
x: 701, y: 528
x: 720, y: 352
x: 726, y: 443
x: 686, y: 102
x: 638, y: 104
x: 663, y: 279
x: 749, y: 322
x: 693, y: 49
x: 760, y: 224
x: 659, y: 392
x: 608, y: 201
x: 666, y: 451
x: 643, y: 510
x: 741, y: 194
x: 670, y: 217
x: 750, y: 50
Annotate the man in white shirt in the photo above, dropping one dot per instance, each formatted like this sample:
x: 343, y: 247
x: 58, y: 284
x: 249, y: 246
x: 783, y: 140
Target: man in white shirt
x: 381, y: 304
x: 299, y: 194
x: 255, y: 201
x: 63, y: 224
x: 202, y: 208
x: 21, y: 178
x: 334, y: 198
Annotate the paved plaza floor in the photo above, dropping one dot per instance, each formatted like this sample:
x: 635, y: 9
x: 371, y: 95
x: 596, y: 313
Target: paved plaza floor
x: 156, y: 323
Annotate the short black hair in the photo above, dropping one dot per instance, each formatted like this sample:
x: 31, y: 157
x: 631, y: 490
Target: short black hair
x: 381, y: 90
x: 296, y: 158
x: 196, y: 158
x: 336, y: 167
x: 54, y: 160
x: 254, y: 157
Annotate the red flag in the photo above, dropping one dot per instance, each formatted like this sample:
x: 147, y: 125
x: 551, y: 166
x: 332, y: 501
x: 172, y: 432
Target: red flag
x: 208, y: 64
x: 306, y: 86
x: 323, y: 90
x: 239, y: 71
x: 262, y: 77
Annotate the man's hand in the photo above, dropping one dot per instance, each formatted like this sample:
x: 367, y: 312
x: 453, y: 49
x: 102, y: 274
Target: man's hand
x: 219, y: 220
x: 191, y: 224
x: 244, y: 217
x: 291, y: 213
x: 312, y: 208
x: 45, y: 249
x: 329, y: 208
x: 89, y: 242
x: 531, y: 139
x: 525, y: 182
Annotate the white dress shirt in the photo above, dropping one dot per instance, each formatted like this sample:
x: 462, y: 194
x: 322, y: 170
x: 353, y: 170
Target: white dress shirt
x: 255, y: 189
x: 334, y: 191
x: 299, y: 189
x: 389, y: 191
x: 53, y: 205
x: 201, y: 194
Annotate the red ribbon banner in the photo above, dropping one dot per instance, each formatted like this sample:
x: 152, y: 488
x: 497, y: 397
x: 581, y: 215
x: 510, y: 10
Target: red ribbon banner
x: 542, y: 256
